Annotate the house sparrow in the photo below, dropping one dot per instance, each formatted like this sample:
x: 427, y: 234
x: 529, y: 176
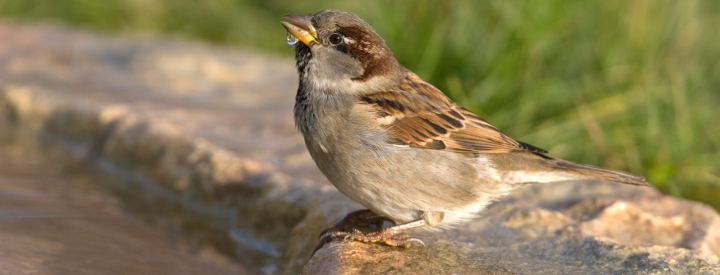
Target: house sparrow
x: 396, y: 144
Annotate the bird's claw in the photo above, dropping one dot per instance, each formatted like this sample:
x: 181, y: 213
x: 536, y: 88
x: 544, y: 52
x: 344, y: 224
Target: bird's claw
x: 347, y: 230
x: 377, y: 237
x: 416, y: 240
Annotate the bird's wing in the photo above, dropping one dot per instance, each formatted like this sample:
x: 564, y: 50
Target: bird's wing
x: 419, y: 115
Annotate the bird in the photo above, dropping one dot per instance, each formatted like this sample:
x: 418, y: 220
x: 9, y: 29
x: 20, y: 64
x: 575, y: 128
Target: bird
x: 398, y: 145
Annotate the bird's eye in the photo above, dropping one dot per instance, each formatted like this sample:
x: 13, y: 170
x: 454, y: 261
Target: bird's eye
x: 336, y: 38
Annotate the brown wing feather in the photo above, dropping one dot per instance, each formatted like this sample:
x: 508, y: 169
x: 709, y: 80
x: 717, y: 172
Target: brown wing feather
x: 419, y: 115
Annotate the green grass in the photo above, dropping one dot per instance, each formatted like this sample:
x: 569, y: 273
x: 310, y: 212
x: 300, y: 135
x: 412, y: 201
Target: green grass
x: 632, y: 85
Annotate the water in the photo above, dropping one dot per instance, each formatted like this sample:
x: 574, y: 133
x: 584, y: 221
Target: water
x: 291, y: 39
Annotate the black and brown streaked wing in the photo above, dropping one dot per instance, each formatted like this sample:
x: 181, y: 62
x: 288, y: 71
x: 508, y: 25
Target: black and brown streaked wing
x: 419, y: 115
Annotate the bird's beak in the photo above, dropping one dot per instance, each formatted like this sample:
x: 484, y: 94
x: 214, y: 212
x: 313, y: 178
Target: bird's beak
x: 301, y: 27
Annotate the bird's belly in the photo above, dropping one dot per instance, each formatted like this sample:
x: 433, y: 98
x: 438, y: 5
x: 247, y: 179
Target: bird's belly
x: 403, y: 182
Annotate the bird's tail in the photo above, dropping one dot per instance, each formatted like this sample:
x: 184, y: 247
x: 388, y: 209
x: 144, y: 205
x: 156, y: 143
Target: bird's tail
x: 588, y: 172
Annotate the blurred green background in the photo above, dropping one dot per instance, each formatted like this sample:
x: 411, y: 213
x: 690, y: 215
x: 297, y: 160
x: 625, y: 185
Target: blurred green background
x: 630, y: 85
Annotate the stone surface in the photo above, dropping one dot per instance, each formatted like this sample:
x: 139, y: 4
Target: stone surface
x: 211, y: 128
x: 53, y: 223
x: 566, y: 228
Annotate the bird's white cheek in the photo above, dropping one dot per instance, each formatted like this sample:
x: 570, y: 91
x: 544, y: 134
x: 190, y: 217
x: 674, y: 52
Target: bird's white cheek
x: 322, y: 83
x: 349, y: 86
x: 333, y: 73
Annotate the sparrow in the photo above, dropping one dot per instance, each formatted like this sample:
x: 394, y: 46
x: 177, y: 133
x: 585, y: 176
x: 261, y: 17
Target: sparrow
x: 396, y: 144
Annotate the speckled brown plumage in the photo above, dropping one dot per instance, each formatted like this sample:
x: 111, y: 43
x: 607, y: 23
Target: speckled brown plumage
x: 396, y: 144
x: 420, y: 115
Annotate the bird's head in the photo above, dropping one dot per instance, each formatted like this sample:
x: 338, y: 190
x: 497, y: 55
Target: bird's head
x: 339, y: 52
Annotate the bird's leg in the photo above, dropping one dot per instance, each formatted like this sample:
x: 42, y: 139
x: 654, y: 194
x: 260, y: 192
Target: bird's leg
x: 355, y: 219
x: 351, y: 221
x: 386, y: 235
x: 348, y: 229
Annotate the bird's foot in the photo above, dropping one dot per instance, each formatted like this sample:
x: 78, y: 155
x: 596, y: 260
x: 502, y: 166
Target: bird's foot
x: 354, y: 220
x: 387, y: 237
x: 365, y: 219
